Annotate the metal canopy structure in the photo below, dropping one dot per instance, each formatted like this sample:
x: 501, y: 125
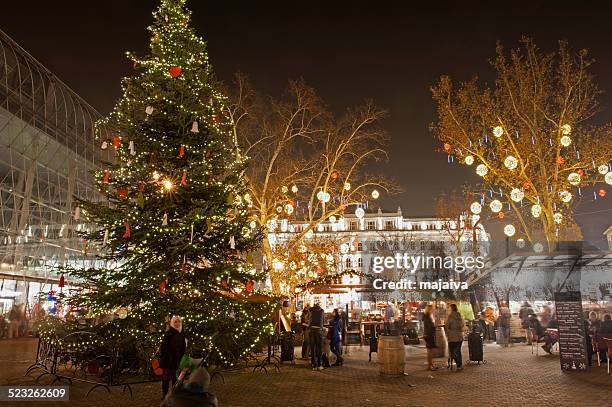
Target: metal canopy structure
x: 47, y: 150
x: 544, y: 274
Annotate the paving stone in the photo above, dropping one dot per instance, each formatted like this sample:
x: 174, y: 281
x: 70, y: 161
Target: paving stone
x: 511, y: 377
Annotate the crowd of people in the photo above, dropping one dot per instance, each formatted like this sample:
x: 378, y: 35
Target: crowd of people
x: 321, y: 339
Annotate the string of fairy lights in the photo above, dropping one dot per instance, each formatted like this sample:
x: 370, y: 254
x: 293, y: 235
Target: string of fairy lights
x: 498, y: 161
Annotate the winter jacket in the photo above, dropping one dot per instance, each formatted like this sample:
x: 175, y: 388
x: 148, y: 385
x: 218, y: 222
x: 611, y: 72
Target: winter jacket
x: 454, y: 327
x: 429, y: 328
x: 172, y: 349
x: 316, y: 317
x: 336, y: 328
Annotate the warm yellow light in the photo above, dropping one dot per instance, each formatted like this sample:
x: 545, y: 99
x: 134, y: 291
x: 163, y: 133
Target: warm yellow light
x: 168, y: 184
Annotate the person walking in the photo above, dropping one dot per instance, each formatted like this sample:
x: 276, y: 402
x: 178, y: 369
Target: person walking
x: 172, y: 350
x: 14, y: 322
x: 503, y: 337
x: 429, y: 334
x: 305, y: 321
x: 524, y: 313
x: 454, y: 333
x: 315, y: 330
x: 336, y: 337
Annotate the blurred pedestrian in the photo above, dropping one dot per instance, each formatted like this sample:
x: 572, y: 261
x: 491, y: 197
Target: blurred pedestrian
x: 305, y: 321
x: 315, y: 330
x: 524, y: 313
x: 429, y: 334
x: 454, y: 333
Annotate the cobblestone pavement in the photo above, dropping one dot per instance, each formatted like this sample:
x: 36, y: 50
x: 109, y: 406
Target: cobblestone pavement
x: 511, y: 377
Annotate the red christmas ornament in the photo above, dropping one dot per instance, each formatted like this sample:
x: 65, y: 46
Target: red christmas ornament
x: 141, y: 187
x: 602, y: 192
x: 106, y: 177
x: 215, y: 119
x: 122, y: 193
x: 61, y: 282
x: 580, y: 172
x: 249, y: 286
x: 334, y: 174
x: 128, y: 231
x: 182, y: 151
x: 162, y: 287
x: 526, y: 185
x: 560, y: 160
x: 320, y: 270
x: 116, y: 142
x: 447, y: 147
x: 175, y: 71
x: 500, y: 215
x: 184, y: 178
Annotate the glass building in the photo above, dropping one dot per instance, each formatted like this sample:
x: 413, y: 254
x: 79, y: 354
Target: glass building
x: 47, y: 151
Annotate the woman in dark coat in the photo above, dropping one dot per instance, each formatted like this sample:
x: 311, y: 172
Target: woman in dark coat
x: 429, y: 334
x: 336, y: 337
x: 172, y: 350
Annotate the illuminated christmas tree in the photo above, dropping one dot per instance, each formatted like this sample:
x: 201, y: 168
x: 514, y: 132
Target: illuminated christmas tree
x: 532, y: 139
x: 174, y: 234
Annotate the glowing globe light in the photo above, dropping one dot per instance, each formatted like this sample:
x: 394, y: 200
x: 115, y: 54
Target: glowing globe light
x: 294, y: 189
x: 326, y: 197
x: 156, y: 175
x: 375, y: 194
x: 332, y: 219
x: 538, y: 248
x: 565, y: 196
x: 495, y: 206
x: 347, y: 186
x: 558, y: 218
x: 565, y: 141
x: 359, y: 212
x: 536, y: 211
x: 469, y: 160
x: 603, y: 169
x: 168, y: 184
x: 284, y: 189
x: 509, y: 230
x: 288, y: 209
x: 517, y: 195
x: 320, y: 195
x: 476, y: 208
x: 277, y: 264
x: 566, y: 129
x: 520, y: 243
x: 253, y: 224
x: 608, y: 178
x: 573, y: 178
x: 482, y: 170
x: 510, y: 162
x: 498, y: 131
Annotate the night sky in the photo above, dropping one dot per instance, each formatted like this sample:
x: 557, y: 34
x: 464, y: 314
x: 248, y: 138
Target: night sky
x: 348, y: 51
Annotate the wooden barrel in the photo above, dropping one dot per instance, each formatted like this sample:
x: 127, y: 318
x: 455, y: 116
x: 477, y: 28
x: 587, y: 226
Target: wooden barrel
x: 441, y: 343
x: 391, y: 355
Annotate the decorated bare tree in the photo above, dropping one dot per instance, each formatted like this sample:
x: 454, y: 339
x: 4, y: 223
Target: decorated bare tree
x: 531, y: 137
x: 309, y: 167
